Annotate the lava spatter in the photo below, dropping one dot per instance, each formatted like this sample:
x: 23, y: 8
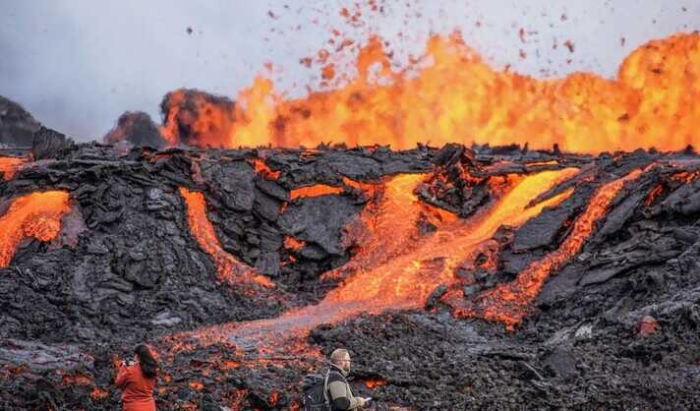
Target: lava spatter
x: 453, y: 96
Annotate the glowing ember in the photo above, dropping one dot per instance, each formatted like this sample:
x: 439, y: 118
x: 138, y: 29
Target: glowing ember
x: 98, y: 393
x: 509, y: 302
x: 452, y: 95
x: 227, y: 267
x: 77, y: 379
x: 9, y: 166
x: 36, y: 215
x: 291, y: 243
x: 372, y: 384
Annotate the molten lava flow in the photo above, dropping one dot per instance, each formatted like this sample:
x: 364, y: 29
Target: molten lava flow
x: 227, y: 267
x: 397, y: 267
x: 263, y: 170
x: 315, y: 190
x: 9, y: 166
x: 35, y: 215
x: 408, y: 279
x: 375, y: 383
x: 509, y: 302
x: 452, y: 95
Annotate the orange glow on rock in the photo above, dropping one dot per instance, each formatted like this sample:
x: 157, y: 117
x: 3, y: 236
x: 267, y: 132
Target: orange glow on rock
x: 396, y: 266
x: 196, y: 385
x: 418, y: 265
x: 509, y: 303
x: 315, y: 190
x: 9, y: 166
x: 375, y: 383
x: 77, y: 379
x: 291, y: 243
x: 263, y: 170
x: 228, y: 268
x: 36, y: 215
x: 98, y: 393
x: 653, y: 195
x: 452, y: 95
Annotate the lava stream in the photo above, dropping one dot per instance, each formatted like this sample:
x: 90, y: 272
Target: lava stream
x: 9, y: 166
x: 405, y: 277
x: 227, y: 267
x: 35, y: 215
x: 509, y: 303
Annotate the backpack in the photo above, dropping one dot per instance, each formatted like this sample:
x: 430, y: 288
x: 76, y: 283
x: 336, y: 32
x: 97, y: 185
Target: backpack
x: 315, y: 388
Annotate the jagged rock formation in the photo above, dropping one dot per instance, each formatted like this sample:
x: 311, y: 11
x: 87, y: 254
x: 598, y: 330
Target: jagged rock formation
x: 615, y: 327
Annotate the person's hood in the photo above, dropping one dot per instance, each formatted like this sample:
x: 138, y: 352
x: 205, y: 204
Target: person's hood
x: 340, y: 370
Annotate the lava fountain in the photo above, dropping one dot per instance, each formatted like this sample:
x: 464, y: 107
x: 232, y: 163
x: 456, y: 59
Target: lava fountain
x: 451, y: 95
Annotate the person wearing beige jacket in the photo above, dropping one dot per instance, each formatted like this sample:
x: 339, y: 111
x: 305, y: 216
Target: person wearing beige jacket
x: 340, y: 393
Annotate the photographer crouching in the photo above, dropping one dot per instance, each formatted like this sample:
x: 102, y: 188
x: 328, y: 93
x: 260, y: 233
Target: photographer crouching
x: 137, y: 379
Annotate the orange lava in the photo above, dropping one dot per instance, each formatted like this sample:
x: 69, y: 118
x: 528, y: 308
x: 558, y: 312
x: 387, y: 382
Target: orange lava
x: 9, y: 166
x: 228, y: 268
x: 372, y: 384
x: 77, y: 379
x: 397, y: 267
x: 263, y: 170
x: 291, y: 243
x: 407, y: 279
x: 315, y: 190
x: 36, y: 215
x: 653, y: 194
x: 509, y: 303
x: 685, y: 177
x: 98, y: 393
x: 452, y: 95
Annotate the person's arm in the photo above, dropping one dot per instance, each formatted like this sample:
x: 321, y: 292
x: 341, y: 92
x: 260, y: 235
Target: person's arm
x: 341, y: 397
x: 123, y: 377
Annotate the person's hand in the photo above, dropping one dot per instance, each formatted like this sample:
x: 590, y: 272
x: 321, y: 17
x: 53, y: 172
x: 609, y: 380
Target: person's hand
x: 364, y: 401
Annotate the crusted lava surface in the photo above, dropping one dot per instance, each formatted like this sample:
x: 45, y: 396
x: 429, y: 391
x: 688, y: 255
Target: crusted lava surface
x: 485, y: 278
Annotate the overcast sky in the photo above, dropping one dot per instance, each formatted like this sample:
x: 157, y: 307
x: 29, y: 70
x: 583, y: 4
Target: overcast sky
x: 78, y: 64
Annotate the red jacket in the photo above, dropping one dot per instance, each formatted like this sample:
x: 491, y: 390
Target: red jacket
x: 137, y: 390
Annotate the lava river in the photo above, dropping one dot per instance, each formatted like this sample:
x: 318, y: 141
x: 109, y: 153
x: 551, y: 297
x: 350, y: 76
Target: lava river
x: 398, y: 267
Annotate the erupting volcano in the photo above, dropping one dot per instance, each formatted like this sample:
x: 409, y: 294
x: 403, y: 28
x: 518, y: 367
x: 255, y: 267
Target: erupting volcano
x: 451, y: 95
x: 477, y: 238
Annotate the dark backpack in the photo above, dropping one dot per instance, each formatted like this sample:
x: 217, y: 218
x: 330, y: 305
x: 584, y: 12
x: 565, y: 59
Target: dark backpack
x: 315, y: 388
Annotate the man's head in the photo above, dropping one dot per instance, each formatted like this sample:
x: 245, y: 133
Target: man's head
x: 341, y: 359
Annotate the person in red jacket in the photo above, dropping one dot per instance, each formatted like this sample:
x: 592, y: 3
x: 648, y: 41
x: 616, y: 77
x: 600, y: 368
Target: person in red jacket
x: 137, y: 379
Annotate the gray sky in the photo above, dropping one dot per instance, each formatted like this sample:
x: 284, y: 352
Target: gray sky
x: 78, y: 64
